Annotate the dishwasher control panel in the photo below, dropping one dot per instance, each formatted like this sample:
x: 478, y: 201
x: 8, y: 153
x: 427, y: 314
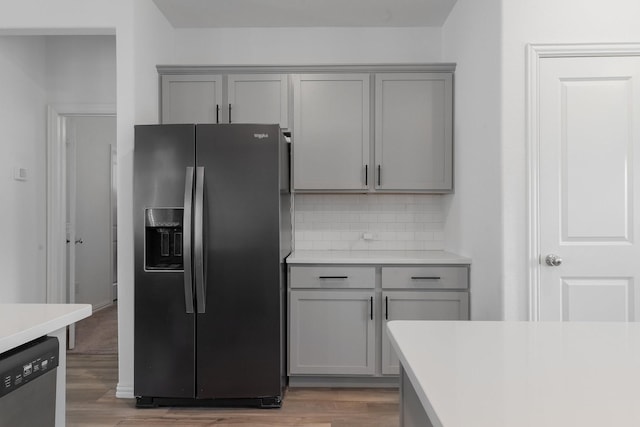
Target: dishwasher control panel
x: 27, y: 362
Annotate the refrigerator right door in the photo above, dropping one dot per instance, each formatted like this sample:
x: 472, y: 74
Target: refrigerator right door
x: 239, y: 325
x: 164, y: 324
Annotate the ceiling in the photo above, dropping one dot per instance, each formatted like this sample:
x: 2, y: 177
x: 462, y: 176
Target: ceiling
x: 305, y: 13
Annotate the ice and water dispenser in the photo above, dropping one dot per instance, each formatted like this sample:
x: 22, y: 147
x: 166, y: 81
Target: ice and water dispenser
x: 163, y: 239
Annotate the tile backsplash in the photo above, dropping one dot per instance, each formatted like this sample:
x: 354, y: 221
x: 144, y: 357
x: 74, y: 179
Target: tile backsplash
x: 368, y: 222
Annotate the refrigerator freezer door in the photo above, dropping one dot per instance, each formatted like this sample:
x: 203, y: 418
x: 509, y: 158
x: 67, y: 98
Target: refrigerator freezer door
x: 239, y: 337
x: 164, y: 358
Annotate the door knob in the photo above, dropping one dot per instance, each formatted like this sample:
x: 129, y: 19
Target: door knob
x: 79, y: 241
x: 553, y: 260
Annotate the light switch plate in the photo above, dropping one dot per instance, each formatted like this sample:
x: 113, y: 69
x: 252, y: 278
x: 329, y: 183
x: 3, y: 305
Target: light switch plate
x: 20, y: 174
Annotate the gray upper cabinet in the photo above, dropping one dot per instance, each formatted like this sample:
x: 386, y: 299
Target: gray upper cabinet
x: 413, y: 132
x: 258, y: 98
x: 357, y: 129
x: 191, y: 98
x: 225, y: 98
x: 331, y: 131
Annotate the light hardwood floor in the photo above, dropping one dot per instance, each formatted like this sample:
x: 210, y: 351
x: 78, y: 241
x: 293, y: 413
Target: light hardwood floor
x: 91, y: 401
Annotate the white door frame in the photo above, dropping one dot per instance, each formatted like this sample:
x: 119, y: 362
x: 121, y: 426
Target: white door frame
x: 535, y: 53
x: 57, y: 193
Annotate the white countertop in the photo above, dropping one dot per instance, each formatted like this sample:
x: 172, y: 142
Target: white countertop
x: 376, y: 257
x: 521, y: 374
x: 21, y: 323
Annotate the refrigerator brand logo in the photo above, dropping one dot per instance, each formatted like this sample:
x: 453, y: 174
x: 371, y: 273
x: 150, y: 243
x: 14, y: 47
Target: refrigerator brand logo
x: 261, y: 135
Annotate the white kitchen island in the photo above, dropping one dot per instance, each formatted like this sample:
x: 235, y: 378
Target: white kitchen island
x: 518, y: 374
x: 22, y: 323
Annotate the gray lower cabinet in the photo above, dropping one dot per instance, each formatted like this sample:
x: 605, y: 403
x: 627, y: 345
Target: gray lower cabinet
x: 332, y: 333
x: 338, y: 314
x: 418, y: 305
x: 423, y: 292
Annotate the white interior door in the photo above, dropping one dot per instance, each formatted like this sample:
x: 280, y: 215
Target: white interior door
x: 89, y: 158
x: 589, y: 188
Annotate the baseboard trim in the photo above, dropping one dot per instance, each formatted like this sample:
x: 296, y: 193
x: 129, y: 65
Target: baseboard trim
x: 346, y: 382
x: 124, y: 391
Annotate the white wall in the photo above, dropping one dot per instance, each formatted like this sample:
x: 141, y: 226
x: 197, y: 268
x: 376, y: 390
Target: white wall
x: 150, y: 44
x: 40, y: 70
x: 22, y: 120
x: 279, y: 46
x: 140, y: 41
x: 471, y: 38
x: 81, y: 69
x: 154, y: 41
x: 540, y: 21
x: 487, y: 216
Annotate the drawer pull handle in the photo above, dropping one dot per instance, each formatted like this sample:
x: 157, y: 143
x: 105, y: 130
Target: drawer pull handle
x: 386, y: 308
x: 333, y: 277
x: 425, y: 278
x: 371, y: 307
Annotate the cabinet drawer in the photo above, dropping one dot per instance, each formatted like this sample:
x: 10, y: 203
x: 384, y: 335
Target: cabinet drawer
x: 425, y: 277
x: 332, y: 277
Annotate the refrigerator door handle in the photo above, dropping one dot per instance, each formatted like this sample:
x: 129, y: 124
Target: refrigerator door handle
x: 186, y: 240
x: 198, y: 239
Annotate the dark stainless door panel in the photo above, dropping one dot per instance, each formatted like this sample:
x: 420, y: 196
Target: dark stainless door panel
x: 164, y: 357
x: 239, y: 336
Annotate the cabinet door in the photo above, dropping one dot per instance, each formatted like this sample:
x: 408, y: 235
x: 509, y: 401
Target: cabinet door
x: 331, y: 131
x: 413, y: 140
x: 331, y: 333
x: 191, y: 98
x: 258, y: 98
x: 418, y: 305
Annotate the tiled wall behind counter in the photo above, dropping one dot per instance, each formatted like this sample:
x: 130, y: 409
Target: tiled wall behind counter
x: 395, y: 222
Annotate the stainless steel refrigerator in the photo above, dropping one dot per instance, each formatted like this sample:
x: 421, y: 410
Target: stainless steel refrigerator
x: 212, y: 228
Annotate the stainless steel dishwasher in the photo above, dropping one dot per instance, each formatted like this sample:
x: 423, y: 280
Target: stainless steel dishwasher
x: 28, y: 384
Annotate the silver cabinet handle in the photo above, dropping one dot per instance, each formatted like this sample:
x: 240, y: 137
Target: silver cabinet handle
x: 425, y: 277
x: 198, y: 238
x: 333, y: 277
x: 186, y: 240
x: 553, y: 260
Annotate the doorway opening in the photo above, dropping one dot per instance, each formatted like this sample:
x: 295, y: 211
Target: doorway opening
x: 82, y: 160
x: 78, y: 87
